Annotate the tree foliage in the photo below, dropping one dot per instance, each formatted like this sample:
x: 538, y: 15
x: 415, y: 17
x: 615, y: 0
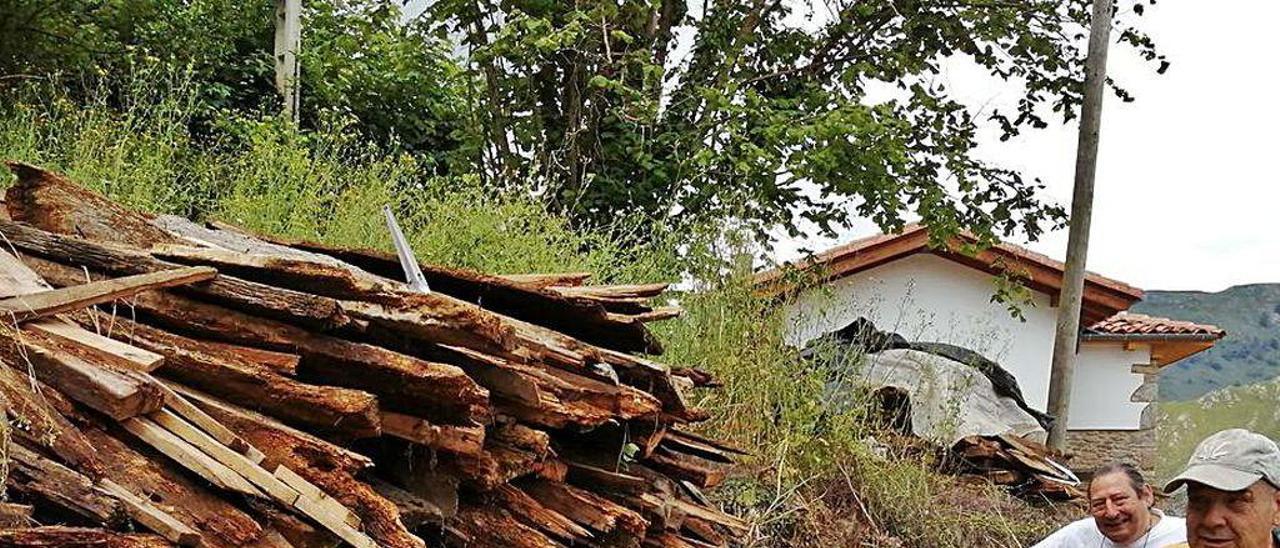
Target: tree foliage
x: 762, y: 111
x: 766, y: 112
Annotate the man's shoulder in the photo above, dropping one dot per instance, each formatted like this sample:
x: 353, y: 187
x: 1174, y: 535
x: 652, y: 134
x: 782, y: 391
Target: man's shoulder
x: 1071, y: 534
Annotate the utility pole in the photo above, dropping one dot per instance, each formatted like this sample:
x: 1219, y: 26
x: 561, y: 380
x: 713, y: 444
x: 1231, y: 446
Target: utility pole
x: 288, y: 41
x: 1069, y: 300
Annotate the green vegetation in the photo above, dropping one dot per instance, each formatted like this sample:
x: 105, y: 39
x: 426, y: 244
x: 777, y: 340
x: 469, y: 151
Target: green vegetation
x: 1249, y: 354
x: 767, y: 112
x: 1184, y: 423
x: 815, y: 478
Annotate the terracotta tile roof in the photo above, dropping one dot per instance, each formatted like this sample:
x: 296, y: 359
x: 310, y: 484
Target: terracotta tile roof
x: 1103, y: 296
x: 1126, y: 323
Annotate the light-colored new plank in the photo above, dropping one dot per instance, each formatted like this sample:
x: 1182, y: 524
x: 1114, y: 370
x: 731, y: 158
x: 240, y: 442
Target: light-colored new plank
x: 183, y: 407
x: 321, y: 500
x: 237, y: 462
x: 188, y: 456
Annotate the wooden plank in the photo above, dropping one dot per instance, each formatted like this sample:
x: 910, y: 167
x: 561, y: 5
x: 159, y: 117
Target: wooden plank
x: 38, y: 478
x: 117, y: 394
x: 15, y: 515
x: 76, y: 537
x: 274, y: 302
x: 567, y: 279
x: 36, y: 419
x: 340, y: 411
x: 152, y: 518
x: 187, y: 410
x: 54, y: 301
x: 458, y: 439
x: 321, y: 500
x: 102, y: 348
x: 189, y: 457
x: 237, y: 462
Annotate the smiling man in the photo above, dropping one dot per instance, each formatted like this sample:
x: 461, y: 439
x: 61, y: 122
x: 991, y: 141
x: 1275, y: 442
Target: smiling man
x: 1120, y: 503
x: 1233, y: 491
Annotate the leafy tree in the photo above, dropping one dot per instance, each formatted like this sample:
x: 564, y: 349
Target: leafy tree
x: 759, y: 111
x: 392, y: 83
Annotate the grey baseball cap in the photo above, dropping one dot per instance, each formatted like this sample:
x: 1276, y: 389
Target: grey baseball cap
x: 1231, y: 460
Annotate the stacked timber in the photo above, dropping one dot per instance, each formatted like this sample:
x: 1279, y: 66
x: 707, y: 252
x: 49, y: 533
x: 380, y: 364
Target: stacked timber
x: 171, y: 382
x: 1027, y: 468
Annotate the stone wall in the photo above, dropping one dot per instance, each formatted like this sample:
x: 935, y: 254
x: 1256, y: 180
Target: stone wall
x: 1094, y: 448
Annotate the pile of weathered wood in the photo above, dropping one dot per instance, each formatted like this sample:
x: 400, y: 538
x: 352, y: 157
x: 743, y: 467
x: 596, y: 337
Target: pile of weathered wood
x: 1027, y: 468
x: 173, y: 382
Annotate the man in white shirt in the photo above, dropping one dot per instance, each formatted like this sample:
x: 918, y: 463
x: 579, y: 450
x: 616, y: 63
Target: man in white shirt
x: 1120, y: 503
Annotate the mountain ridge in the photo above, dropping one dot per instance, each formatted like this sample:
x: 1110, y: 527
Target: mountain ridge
x: 1250, y: 352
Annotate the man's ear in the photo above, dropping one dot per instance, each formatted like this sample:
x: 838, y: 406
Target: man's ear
x: 1275, y: 516
x: 1147, y: 495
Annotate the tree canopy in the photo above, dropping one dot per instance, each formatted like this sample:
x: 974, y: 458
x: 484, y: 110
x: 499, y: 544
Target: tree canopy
x: 762, y: 111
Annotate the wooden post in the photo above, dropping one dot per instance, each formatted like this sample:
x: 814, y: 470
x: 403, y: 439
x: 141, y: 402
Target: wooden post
x: 1068, y: 330
x: 288, y: 42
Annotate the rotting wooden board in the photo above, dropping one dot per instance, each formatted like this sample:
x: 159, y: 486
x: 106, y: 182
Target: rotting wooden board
x: 77, y: 537
x: 15, y: 515
x: 38, y: 478
x: 54, y: 301
x: 117, y: 394
x: 155, y: 519
x: 103, y: 348
x: 457, y: 439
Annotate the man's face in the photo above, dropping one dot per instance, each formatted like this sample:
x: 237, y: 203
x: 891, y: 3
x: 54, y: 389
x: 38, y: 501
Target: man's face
x: 1120, y: 512
x: 1234, y: 519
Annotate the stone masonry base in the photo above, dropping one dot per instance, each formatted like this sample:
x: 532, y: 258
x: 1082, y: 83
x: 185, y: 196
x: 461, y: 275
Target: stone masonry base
x: 1094, y: 448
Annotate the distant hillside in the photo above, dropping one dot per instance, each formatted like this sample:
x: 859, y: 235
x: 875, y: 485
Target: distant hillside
x: 1185, y: 423
x: 1249, y: 354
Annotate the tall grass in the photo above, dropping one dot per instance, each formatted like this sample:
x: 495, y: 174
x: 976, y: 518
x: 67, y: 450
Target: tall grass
x: 820, y: 474
x: 817, y: 476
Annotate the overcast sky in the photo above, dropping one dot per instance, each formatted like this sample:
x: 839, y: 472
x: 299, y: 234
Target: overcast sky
x: 1187, y: 193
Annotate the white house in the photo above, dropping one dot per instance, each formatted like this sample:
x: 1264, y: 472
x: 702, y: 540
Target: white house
x: 945, y: 295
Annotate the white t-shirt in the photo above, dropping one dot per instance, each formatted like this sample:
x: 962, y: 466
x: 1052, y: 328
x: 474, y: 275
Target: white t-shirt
x: 1085, y: 534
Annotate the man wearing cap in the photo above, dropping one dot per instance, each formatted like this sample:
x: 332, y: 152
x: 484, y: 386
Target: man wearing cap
x: 1233, y: 491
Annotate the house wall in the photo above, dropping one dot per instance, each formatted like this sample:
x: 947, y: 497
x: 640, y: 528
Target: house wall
x: 928, y: 298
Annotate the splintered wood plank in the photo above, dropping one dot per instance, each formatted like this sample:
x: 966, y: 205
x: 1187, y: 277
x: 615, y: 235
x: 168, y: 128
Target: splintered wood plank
x: 46, y: 303
x: 15, y: 515
x: 38, y: 478
x: 237, y: 462
x: 151, y: 517
x: 77, y: 537
x: 106, y: 349
x: 117, y: 394
x: 51, y: 201
x: 458, y: 439
x: 321, y: 499
x: 343, y: 411
x: 188, y: 456
x: 36, y: 419
x: 566, y: 279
